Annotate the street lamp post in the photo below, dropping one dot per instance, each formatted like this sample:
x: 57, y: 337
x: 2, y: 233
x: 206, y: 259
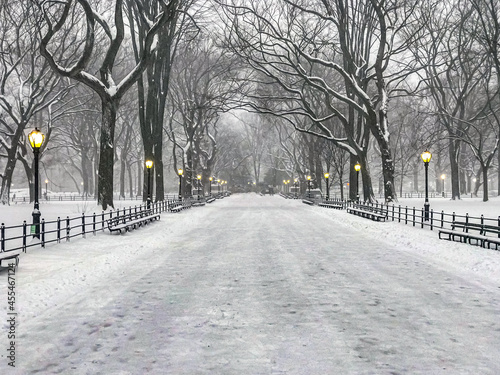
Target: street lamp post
x: 443, y: 176
x: 198, y: 177
x: 295, y: 183
x: 180, y: 172
x: 36, y: 139
x: 357, y: 168
x: 210, y: 186
x: 149, y: 165
x: 426, y: 158
x: 309, y: 186
x: 327, y: 177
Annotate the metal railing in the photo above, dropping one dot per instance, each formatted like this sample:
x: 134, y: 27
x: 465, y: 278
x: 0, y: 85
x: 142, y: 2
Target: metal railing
x: 14, y: 238
x: 79, y: 198
x: 416, y: 217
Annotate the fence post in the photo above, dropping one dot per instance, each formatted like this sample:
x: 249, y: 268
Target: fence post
x: 432, y: 218
x: 102, y: 221
x: 399, y: 214
x: 67, y: 228
x: 43, y: 233
x: 93, y: 223
x: 83, y: 224
x: 413, y: 216
x: 2, y: 237
x: 24, y: 236
x: 406, y: 215
x: 422, y: 217
x: 58, y: 229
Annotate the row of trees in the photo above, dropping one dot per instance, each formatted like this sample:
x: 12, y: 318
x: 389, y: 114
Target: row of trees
x: 311, y: 85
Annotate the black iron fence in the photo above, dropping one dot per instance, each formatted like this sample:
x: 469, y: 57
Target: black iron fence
x: 19, y: 237
x: 79, y: 198
x: 416, y: 217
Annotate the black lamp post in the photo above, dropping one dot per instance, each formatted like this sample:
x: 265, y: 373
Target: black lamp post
x: 210, y: 186
x: 198, y: 177
x: 327, y: 177
x: 357, y: 168
x: 309, y: 186
x: 180, y: 172
x: 295, y: 183
x: 36, y: 139
x: 426, y: 158
x: 149, y: 165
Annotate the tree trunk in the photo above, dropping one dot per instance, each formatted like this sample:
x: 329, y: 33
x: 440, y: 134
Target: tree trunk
x: 498, y: 172
x: 130, y: 181
x: 7, y: 178
x: 158, y: 150
x: 353, y: 159
x: 485, y: 183
x: 454, y: 152
x: 106, y: 157
x: 122, y: 177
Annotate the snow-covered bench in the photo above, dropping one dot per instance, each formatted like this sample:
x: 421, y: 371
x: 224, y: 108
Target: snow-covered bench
x: 368, y: 211
x: 210, y: 200
x: 467, y: 232
x: 131, y: 220
x: 307, y: 201
x: 178, y: 206
x: 336, y: 205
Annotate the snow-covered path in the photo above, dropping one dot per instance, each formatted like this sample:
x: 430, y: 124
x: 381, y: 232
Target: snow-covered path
x: 251, y: 285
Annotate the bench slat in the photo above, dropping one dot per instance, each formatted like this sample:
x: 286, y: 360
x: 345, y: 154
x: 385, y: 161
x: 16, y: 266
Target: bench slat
x: 471, y: 232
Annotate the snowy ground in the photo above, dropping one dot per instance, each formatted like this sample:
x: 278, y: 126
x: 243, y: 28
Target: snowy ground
x: 257, y: 285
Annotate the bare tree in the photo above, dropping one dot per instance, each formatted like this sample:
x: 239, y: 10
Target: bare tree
x: 57, y: 16
x: 202, y: 85
x: 153, y: 88
x: 331, y: 61
x: 456, y: 72
x: 28, y: 89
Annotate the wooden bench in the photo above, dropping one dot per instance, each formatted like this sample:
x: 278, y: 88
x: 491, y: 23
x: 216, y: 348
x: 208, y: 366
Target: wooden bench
x: 335, y: 205
x: 132, y: 220
x: 9, y: 257
x: 307, y: 201
x: 210, y: 200
x: 178, y: 206
x: 368, y: 211
x: 472, y: 233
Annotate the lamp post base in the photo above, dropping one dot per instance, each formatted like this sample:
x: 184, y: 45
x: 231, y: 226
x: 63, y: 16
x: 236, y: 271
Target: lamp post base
x: 426, y: 211
x: 35, y: 229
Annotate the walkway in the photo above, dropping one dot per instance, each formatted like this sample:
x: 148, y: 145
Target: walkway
x: 251, y: 285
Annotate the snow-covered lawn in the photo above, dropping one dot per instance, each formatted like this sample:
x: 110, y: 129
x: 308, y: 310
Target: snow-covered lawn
x: 257, y: 285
